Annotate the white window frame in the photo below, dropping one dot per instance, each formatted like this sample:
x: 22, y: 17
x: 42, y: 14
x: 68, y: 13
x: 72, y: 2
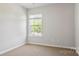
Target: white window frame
x: 35, y: 16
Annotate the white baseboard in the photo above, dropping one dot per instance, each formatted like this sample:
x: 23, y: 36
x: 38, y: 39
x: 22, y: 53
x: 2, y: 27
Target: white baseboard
x: 7, y: 50
x: 51, y: 45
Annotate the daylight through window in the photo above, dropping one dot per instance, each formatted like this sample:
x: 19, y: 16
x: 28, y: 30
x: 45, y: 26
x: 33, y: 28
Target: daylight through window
x: 35, y: 25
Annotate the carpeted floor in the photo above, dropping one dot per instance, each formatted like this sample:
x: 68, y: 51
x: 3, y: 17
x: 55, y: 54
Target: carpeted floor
x: 38, y: 50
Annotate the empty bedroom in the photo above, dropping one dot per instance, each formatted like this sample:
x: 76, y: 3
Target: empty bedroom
x: 39, y: 29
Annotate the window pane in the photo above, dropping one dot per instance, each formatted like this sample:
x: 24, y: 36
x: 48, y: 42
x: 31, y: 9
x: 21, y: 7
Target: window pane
x: 35, y: 26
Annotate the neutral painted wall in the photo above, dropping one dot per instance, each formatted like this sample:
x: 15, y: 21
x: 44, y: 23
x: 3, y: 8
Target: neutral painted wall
x: 58, y: 25
x: 12, y: 26
x: 77, y: 27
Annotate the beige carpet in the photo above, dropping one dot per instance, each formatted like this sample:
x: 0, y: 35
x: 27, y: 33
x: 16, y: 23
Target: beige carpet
x: 38, y: 50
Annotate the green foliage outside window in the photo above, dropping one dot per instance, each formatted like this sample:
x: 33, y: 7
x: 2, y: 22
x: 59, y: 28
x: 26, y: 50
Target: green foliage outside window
x: 37, y: 26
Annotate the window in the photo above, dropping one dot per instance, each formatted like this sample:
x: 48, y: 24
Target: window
x: 35, y: 25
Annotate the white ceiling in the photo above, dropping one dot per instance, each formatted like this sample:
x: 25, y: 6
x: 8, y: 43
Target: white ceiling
x: 33, y: 5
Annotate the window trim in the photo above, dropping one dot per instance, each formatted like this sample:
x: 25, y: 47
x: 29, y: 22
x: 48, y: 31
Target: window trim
x: 31, y: 25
